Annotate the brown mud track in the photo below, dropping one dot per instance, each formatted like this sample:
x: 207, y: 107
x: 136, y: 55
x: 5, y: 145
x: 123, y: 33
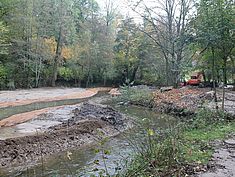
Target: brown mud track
x: 24, y: 117
x: 89, y: 123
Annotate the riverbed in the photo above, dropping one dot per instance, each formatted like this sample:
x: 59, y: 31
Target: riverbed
x: 84, y: 161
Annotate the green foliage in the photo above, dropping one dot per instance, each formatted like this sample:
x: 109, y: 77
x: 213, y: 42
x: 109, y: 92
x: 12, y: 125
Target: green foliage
x: 3, y: 76
x: 138, y: 96
x: 161, y: 154
x: 213, y: 26
x: 167, y: 152
x: 205, y: 118
x: 66, y: 73
x: 3, y: 38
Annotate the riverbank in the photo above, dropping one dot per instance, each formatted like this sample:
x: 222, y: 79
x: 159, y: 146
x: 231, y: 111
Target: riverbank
x: 189, y: 148
x: 28, y: 104
x: 24, y: 97
x: 183, y: 102
x: 89, y: 123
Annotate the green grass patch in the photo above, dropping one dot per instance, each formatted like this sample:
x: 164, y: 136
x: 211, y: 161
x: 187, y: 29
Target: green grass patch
x: 210, y: 133
x: 189, y: 144
x: 196, y: 148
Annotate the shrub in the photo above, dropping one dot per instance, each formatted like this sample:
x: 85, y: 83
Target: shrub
x: 135, y: 95
x: 206, y: 117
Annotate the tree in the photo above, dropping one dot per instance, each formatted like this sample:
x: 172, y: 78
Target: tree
x: 213, y: 27
x: 126, y: 48
x: 166, y: 24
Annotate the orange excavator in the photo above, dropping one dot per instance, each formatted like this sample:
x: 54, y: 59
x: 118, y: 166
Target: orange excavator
x: 195, y: 79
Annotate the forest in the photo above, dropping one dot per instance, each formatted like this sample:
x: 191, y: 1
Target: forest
x: 78, y: 43
x: 117, y: 88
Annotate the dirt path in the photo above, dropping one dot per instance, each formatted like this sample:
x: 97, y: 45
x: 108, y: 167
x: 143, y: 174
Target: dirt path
x: 223, y: 161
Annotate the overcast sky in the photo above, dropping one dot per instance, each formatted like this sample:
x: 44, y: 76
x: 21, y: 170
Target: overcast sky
x: 123, y: 8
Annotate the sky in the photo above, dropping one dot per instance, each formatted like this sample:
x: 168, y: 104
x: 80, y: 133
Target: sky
x: 122, y: 7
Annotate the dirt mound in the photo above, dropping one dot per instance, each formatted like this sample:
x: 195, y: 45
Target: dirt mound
x: 105, y: 113
x: 90, y: 123
x: 181, y: 101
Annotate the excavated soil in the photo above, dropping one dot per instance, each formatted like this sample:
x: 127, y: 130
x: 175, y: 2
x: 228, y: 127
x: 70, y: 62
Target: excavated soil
x: 186, y: 101
x: 89, y: 123
x: 181, y: 102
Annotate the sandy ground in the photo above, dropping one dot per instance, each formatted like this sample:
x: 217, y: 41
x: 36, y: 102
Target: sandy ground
x: 22, y: 97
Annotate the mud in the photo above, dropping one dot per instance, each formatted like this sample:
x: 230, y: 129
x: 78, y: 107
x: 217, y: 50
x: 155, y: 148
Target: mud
x: 23, y: 97
x: 48, y: 96
x: 223, y: 161
x: 89, y: 123
x: 186, y: 101
x: 181, y: 102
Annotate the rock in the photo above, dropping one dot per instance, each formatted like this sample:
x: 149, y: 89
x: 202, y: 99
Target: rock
x: 230, y: 142
x: 114, y: 92
x: 165, y: 89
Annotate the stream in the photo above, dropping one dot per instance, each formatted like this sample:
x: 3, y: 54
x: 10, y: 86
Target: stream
x: 85, y: 161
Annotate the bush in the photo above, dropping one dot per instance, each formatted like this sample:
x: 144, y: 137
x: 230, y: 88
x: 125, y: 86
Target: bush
x: 3, y: 76
x: 135, y: 95
x: 206, y: 117
x: 159, y: 155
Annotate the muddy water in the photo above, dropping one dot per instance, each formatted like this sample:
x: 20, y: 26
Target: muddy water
x: 9, y: 111
x: 81, y: 161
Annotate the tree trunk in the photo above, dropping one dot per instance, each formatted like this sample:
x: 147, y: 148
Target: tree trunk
x: 167, y: 72
x: 224, y: 79
x: 233, y: 72
x: 134, y: 74
x: 57, y: 57
x: 225, y: 71
x: 213, y: 77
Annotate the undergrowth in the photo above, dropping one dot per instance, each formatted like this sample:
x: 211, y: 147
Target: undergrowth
x: 138, y: 96
x: 177, y: 151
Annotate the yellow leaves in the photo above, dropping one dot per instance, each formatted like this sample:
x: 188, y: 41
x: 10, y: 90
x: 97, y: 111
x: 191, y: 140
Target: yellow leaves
x: 66, y: 52
x: 151, y: 132
x: 51, y: 43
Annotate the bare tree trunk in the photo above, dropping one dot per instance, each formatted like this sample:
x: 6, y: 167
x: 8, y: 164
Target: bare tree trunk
x: 167, y: 72
x: 224, y: 80
x: 213, y: 77
x: 233, y: 73
x: 57, y: 57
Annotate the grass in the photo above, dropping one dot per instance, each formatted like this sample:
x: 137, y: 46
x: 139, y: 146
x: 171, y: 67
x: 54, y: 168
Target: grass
x: 142, y: 97
x: 171, y: 152
x: 168, y: 153
x: 197, y: 147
